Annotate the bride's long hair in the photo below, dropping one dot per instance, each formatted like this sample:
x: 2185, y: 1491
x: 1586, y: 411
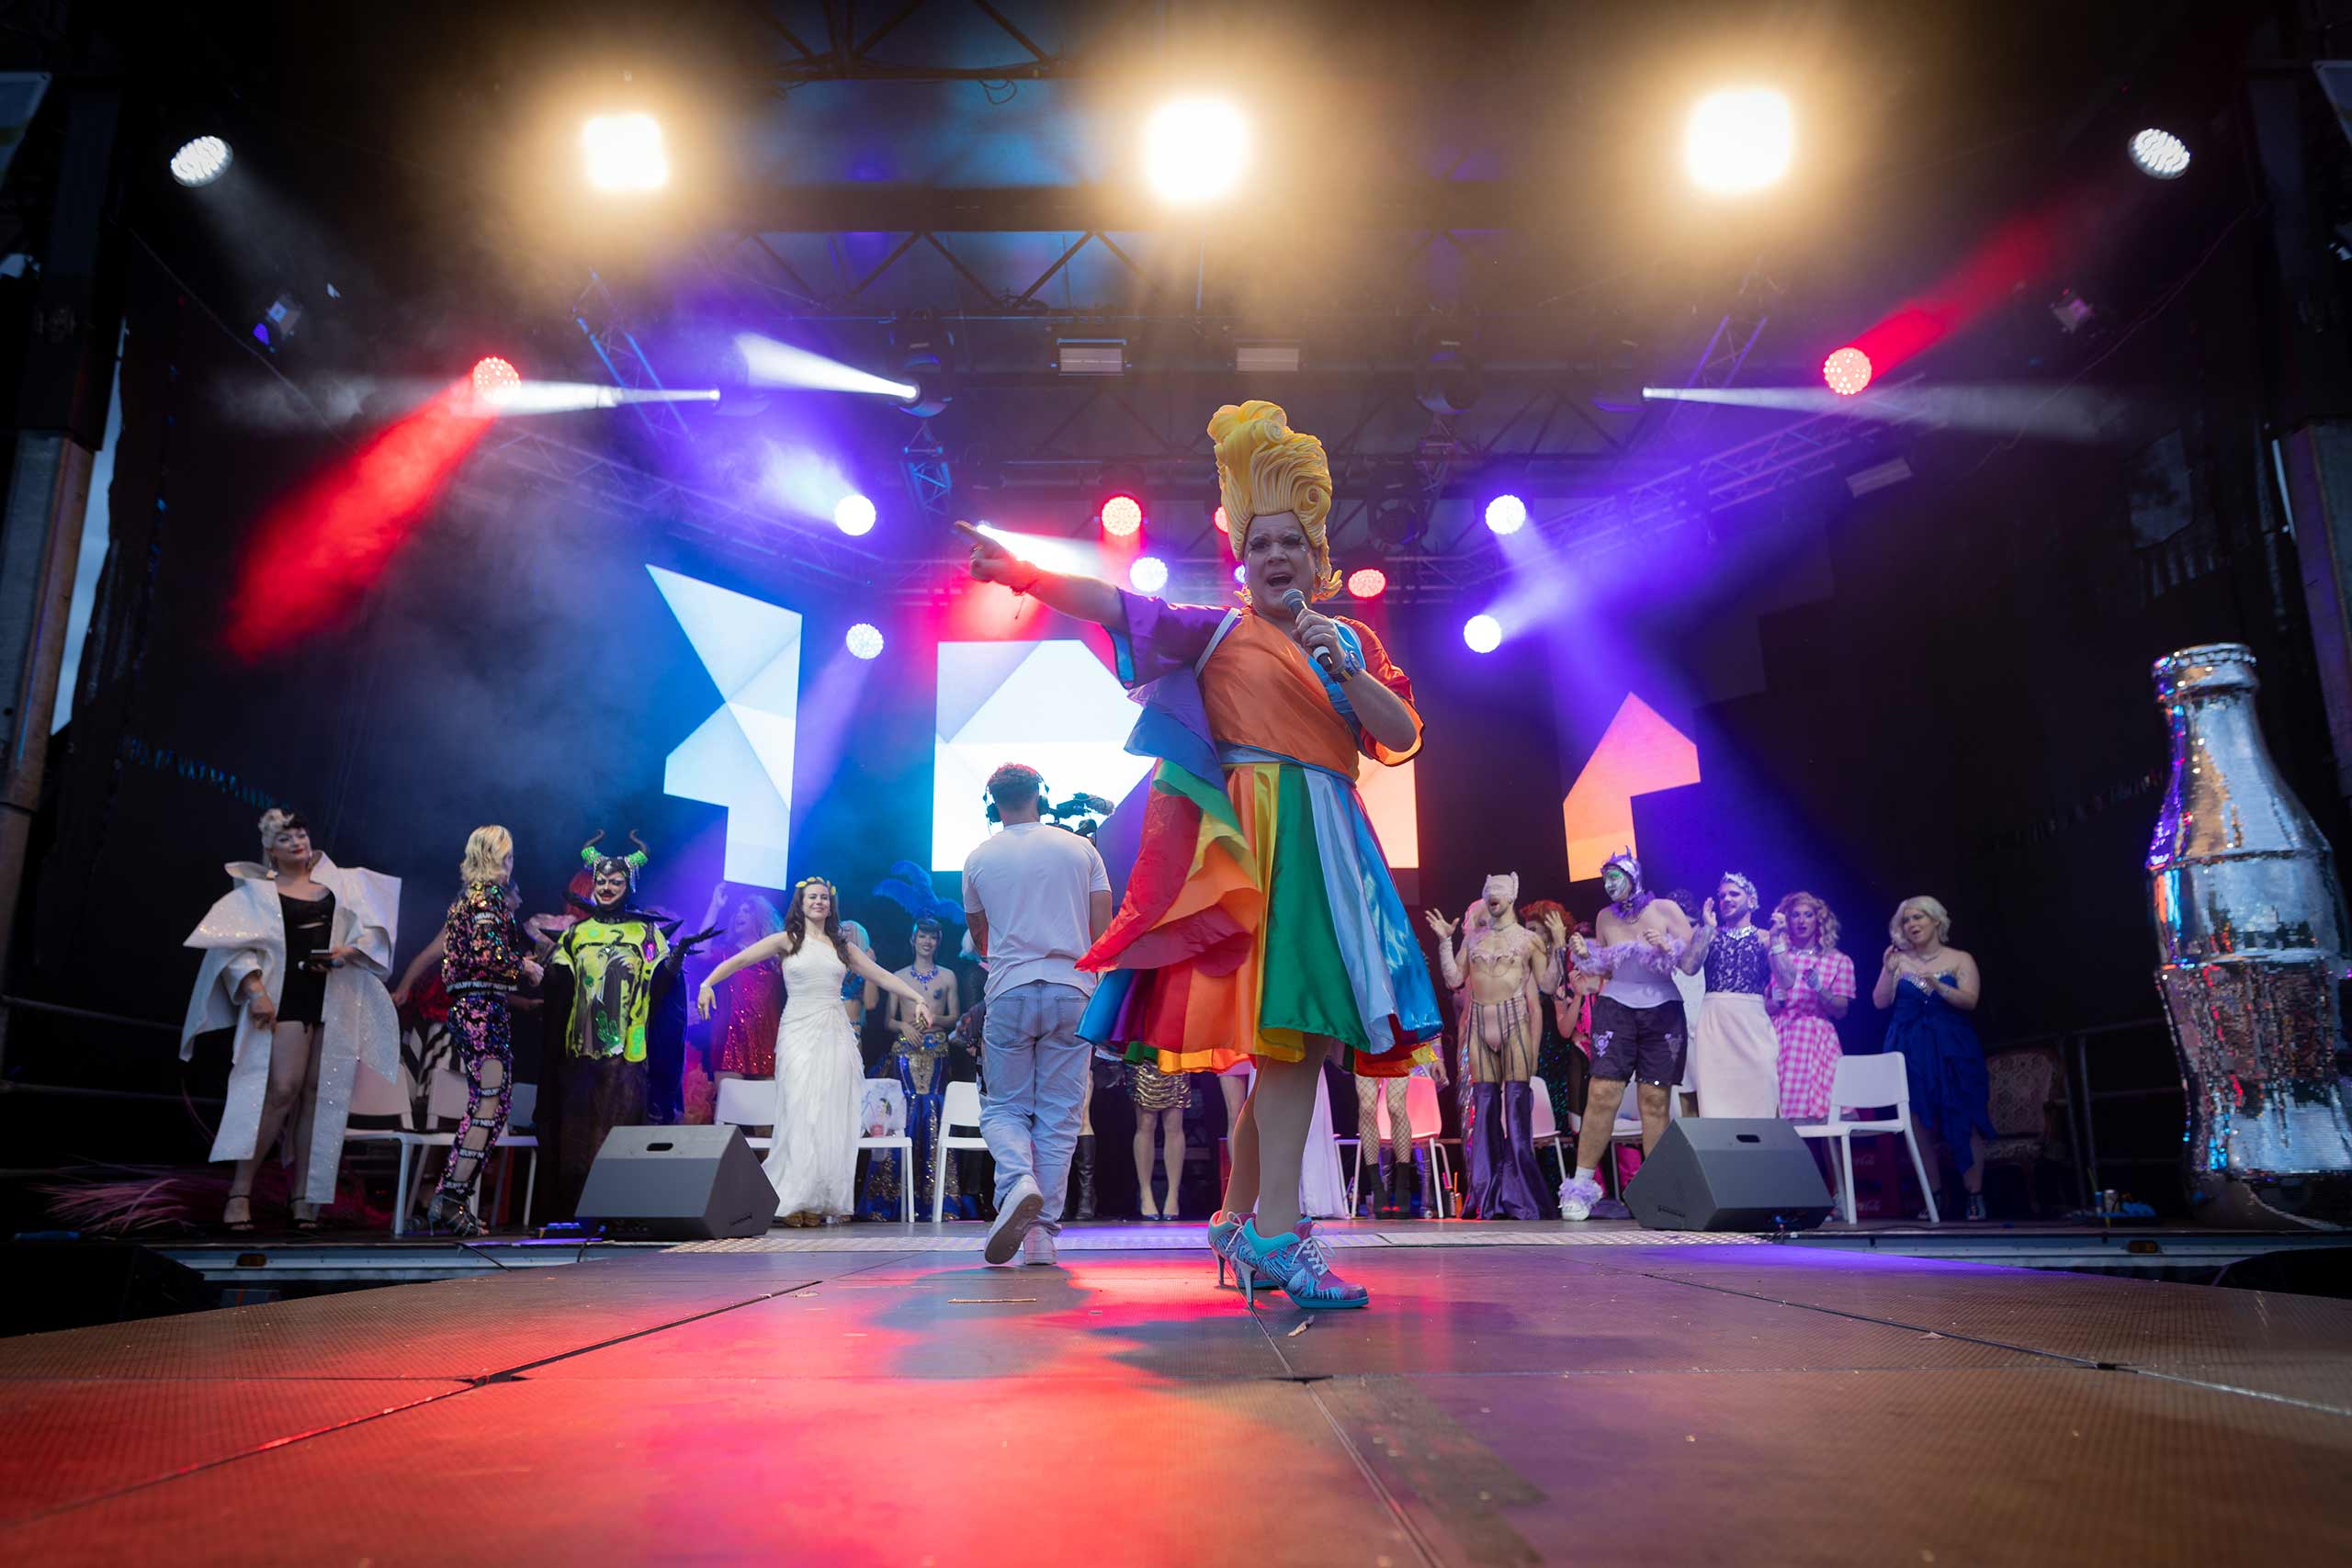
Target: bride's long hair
x: 796, y: 924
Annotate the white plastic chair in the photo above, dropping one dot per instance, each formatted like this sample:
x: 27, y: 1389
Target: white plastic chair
x: 445, y: 1097
x: 1882, y: 1079
x: 1545, y: 1127
x: 885, y: 1142
x: 1425, y: 1122
x: 961, y: 1109
x: 747, y: 1102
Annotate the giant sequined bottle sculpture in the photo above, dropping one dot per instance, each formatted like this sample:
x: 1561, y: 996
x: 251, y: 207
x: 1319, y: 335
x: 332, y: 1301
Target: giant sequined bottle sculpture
x: 2250, y: 947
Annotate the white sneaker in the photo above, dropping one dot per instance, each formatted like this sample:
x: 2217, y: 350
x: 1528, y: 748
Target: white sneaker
x: 1037, y: 1248
x: 1578, y: 1197
x: 1013, y: 1218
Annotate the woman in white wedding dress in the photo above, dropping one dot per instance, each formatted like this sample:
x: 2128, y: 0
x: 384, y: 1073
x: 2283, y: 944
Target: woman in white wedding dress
x: 819, y: 1075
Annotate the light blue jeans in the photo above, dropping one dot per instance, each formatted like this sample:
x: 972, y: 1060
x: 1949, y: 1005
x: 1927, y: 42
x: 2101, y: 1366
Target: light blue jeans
x: 1037, y: 1078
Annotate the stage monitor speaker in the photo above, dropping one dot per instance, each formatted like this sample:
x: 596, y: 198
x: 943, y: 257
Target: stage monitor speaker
x: 77, y: 1284
x: 677, y: 1184
x: 1729, y: 1173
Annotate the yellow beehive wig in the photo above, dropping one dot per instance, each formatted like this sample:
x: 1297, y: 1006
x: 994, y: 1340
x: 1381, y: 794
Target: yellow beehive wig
x: 1264, y: 466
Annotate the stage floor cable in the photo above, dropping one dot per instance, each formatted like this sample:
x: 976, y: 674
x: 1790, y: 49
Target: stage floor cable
x: 1506, y: 1401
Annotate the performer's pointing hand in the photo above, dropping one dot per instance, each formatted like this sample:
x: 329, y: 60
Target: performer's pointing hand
x: 991, y: 562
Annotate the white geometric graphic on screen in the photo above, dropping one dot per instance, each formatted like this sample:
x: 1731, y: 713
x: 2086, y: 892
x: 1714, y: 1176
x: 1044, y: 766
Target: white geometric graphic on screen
x: 741, y: 756
x: 1051, y: 704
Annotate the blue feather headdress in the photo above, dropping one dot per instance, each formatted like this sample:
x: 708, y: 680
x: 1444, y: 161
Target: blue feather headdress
x: 908, y: 886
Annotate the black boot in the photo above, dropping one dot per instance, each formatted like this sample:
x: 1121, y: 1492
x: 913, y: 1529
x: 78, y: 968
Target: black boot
x: 1392, y: 1189
x: 1085, y: 1163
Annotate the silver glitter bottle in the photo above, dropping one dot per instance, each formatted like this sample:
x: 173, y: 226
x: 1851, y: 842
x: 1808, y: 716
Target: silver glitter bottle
x: 2250, y: 948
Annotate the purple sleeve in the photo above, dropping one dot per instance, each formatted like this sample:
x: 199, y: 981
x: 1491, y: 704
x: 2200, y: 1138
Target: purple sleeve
x: 1159, y: 639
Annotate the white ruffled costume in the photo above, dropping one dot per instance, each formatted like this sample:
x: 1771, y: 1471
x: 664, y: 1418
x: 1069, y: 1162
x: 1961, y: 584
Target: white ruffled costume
x: 244, y: 933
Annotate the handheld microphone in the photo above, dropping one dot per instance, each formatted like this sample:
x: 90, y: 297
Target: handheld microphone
x: 1296, y: 603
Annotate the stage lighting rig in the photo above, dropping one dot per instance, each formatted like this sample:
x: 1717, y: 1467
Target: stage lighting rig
x: 923, y: 344
x: 2159, y: 155
x: 1447, y: 382
x: 624, y: 153
x: 1739, y: 142
x: 1195, y: 149
x: 200, y: 160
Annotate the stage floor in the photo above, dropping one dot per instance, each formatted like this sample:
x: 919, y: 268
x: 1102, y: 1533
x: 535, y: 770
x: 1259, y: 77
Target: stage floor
x: 1502, y: 1403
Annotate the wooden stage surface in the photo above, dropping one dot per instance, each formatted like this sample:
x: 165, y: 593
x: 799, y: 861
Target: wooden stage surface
x: 1502, y: 1402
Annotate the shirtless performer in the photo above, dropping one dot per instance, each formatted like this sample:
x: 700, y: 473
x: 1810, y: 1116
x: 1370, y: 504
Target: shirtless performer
x: 1638, y: 1034
x: 1511, y: 969
x: 919, y: 1060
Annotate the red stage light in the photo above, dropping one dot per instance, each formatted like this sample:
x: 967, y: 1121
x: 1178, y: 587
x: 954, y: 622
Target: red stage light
x: 1222, y: 526
x: 1367, y: 583
x: 1848, y: 371
x: 494, y: 376
x: 317, y: 552
x: 1122, y: 515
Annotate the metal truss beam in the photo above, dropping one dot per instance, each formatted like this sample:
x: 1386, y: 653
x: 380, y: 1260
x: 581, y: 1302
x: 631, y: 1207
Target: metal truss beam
x: 930, y: 480
x: 1415, y: 206
x: 629, y: 494
x: 1793, y: 455
x: 598, y: 318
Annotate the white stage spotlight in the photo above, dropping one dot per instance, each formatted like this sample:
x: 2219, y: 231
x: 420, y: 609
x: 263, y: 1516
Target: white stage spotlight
x: 624, y: 153
x: 1739, y: 142
x: 2160, y: 155
x: 853, y: 514
x: 1483, y: 633
x: 200, y: 162
x: 1195, y: 149
x: 1148, y: 575
x: 864, y: 640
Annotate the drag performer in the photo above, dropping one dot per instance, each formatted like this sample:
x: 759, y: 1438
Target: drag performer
x: 743, y: 1036
x: 1161, y: 1099
x: 294, y: 956
x: 1260, y: 918
x: 919, y: 1059
x: 1567, y: 1033
x: 485, y: 956
x: 813, y: 1165
x: 1933, y: 987
x: 1734, y: 1055
x: 1498, y: 980
x: 1813, y: 984
x: 618, y: 963
x: 1637, y: 1025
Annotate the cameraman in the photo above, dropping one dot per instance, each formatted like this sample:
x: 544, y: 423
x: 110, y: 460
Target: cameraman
x: 1037, y: 900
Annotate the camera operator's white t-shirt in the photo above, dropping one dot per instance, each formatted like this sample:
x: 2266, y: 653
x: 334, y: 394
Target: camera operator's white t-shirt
x: 1032, y: 881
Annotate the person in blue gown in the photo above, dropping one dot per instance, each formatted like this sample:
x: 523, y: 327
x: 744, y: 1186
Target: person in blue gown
x: 1933, y: 986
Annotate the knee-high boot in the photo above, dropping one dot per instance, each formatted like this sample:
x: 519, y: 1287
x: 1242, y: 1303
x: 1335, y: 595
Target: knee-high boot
x: 1083, y: 1163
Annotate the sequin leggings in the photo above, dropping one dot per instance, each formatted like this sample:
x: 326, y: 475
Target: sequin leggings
x: 486, y: 1043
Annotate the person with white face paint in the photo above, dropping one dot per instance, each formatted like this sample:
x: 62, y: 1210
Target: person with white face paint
x: 1734, y: 1055
x: 1499, y: 979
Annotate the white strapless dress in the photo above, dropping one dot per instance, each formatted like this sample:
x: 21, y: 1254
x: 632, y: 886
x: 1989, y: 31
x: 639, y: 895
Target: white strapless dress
x: 819, y: 1083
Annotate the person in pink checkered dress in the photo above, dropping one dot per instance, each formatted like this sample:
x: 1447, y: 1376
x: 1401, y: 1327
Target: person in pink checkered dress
x: 1811, y: 984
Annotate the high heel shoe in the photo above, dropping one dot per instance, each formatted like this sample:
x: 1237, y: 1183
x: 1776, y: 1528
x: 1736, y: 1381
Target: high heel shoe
x: 448, y: 1216
x: 1297, y: 1263
x: 1223, y: 1226
x: 306, y: 1215
x: 237, y: 1214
